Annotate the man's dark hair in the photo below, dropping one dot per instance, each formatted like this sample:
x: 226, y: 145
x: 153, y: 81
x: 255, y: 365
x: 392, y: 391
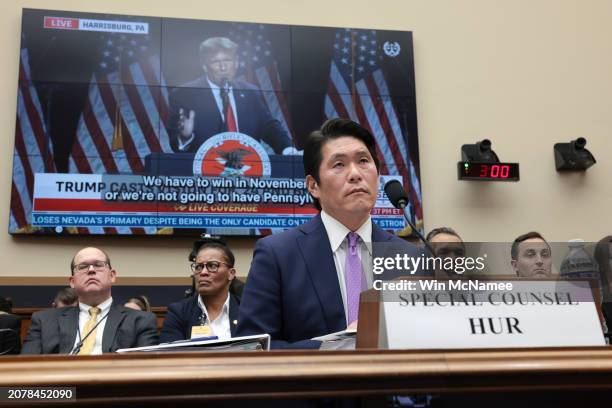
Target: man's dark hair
x: 521, y: 238
x: 6, y: 305
x: 330, y: 130
x: 66, y: 295
x: 441, y: 230
x: 72, y: 265
x: 212, y: 243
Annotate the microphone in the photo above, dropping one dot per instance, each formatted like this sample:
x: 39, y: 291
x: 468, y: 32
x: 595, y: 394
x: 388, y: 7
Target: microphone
x: 398, y: 197
x: 396, y: 194
x: 225, y: 84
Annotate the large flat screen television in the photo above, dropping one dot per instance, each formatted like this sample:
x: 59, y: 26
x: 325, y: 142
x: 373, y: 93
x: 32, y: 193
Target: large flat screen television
x: 145, y: 125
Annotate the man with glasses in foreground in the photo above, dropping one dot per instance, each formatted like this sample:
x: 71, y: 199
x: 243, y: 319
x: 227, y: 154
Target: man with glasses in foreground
x: 213, y: 309
x: 97, y: 324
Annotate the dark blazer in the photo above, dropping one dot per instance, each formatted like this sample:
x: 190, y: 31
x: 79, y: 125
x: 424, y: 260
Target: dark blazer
x: 292, y: 291
x: 182, y: 315
x: 254, y: 117
x: 54, y: 331
x: 10, y: 340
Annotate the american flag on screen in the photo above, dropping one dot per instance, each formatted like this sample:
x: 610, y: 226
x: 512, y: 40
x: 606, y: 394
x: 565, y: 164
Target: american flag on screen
x: 33, y: 149
x: 258, y: 66
x: 124, y: 118
x: 357, y: 89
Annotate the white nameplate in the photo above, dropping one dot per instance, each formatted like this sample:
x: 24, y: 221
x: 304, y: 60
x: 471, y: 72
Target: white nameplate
x: 530, y: 314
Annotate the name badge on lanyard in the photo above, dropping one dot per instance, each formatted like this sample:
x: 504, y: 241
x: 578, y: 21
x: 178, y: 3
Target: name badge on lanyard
x: 200, y: 331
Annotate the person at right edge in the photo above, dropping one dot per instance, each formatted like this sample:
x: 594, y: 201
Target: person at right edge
x: 305, y: 282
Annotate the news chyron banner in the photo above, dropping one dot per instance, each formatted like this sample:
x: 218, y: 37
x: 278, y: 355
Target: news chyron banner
x: 166, y: 126
x: 98, y: 201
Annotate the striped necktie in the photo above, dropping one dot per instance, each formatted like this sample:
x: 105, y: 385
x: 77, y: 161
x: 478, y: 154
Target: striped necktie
x: 353, y: 273
x: 88, y: 343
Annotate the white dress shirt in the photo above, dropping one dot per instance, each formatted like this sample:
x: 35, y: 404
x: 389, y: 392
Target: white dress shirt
x: 219, y: 327
x: 336, y: 232
x: 84, y: 318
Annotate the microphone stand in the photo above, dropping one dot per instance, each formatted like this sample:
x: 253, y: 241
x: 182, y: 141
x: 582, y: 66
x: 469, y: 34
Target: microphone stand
x: 406, y: 213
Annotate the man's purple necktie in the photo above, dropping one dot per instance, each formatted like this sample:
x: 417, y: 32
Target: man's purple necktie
x: 353, y: 274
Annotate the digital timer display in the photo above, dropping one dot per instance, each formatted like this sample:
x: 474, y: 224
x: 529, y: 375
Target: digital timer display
x: 488, y: 171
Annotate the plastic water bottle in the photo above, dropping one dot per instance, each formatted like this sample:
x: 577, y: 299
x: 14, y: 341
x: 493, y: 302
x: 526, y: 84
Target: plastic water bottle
x: 578, y: 263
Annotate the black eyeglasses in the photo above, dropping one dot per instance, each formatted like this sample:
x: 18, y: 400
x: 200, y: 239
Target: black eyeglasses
x: 98, y: 266
x: 211, y: 266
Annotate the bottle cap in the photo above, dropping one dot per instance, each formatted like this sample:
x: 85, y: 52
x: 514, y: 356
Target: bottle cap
x: 576, y: 243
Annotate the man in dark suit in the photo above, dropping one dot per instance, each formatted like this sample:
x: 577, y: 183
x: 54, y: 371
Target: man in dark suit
x: 306, y: 281
x: 213, y: 309
x: 217, y: 102
x: 10, y: 328
x: 97, y: 325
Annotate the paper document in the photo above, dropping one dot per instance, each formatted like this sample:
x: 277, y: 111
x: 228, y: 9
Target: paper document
x: 340, y: 335
x: 190, y: 340
x: 243, y: 343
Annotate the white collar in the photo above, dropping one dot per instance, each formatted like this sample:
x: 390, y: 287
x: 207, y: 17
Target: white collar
x: 217, y: 88
x: 336, y: 231
x: 224, y: 309
x: 104, y: 306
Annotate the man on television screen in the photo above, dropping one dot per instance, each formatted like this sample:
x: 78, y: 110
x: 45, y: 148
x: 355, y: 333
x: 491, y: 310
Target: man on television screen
x: 305, y: 282
x: 219, y: 102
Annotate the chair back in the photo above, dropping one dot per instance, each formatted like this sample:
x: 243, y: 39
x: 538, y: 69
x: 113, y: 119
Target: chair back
x: 9, y: 340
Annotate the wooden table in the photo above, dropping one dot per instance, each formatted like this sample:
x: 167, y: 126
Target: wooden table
x: 180, y: 378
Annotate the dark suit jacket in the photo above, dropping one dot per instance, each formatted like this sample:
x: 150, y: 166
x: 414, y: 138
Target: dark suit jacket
x: 254, y: 118
x: 182, y: 315
x: 292, y: 291
x: 54, y: 331
x: 10, y: 340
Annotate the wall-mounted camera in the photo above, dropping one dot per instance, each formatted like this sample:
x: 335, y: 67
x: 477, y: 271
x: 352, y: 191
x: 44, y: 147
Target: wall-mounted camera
x: 573, y: 156
x: 479, y: 152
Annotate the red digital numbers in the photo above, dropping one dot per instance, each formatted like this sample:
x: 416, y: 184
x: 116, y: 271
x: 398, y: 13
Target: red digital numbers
x: 494, y: 171
x: 505, y: 171
x: 484, y: 170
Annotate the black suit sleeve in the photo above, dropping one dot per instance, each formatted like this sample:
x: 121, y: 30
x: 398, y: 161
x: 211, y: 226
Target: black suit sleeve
x: 173, y: 118
x: 146, y: 334
x: 33, y: 341
x: 174, y: 327
x: 270, y: 129
x: 261, y: 306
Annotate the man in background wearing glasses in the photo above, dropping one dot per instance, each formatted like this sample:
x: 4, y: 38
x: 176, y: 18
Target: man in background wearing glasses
x: 446, y: 244
x: 213, y: 309
x: 96, y: 325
